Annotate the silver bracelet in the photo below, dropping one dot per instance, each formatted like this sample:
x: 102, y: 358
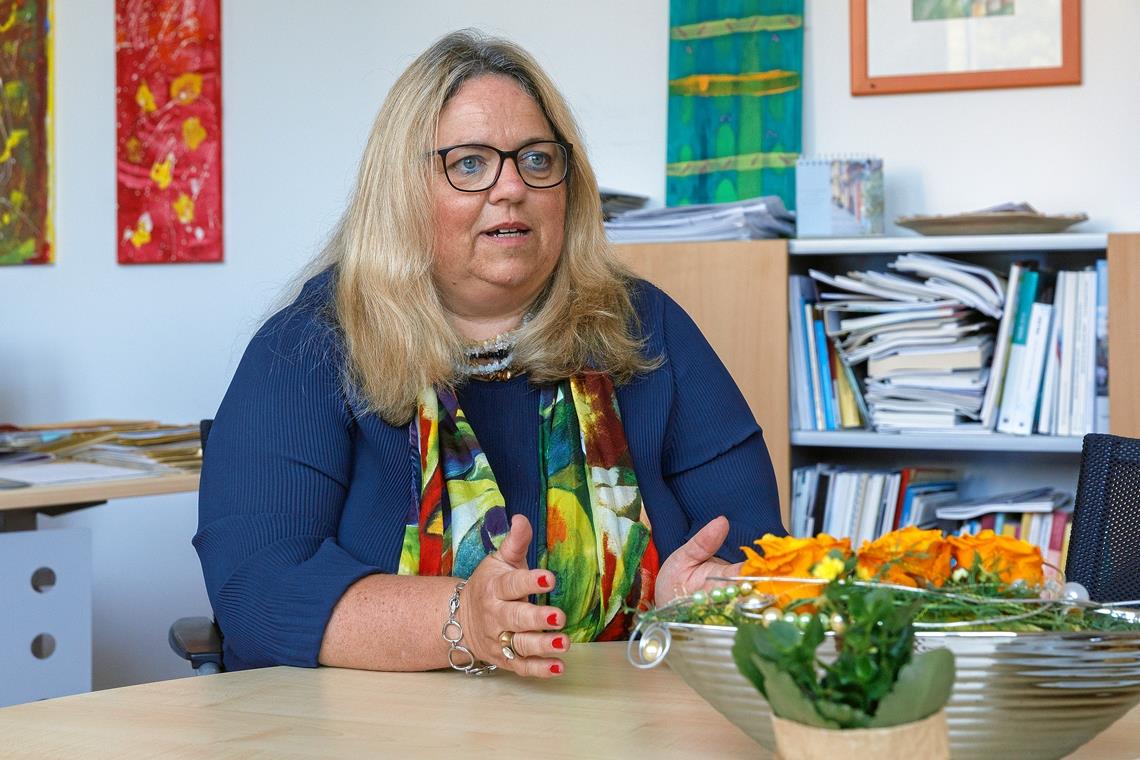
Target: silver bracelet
x: 467, y: 662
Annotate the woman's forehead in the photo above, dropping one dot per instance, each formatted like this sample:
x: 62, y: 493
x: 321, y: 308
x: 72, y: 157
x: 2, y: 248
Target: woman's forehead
x: 492, y: 109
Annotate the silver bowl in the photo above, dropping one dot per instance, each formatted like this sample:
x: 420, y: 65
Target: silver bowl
x: 1016, y: 695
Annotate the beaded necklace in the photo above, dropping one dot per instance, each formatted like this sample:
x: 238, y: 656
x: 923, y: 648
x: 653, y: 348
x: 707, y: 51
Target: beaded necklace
x: 491, y: 359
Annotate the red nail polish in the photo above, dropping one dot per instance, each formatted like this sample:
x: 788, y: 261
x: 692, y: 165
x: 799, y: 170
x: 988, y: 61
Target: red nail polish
x: 543, y: 581
x: 552, y: 619
x: 556, y: 669
x: 559, y: 643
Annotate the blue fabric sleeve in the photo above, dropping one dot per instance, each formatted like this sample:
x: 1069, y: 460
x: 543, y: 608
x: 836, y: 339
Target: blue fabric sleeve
x: 715, y: 459
x: 274, y: 478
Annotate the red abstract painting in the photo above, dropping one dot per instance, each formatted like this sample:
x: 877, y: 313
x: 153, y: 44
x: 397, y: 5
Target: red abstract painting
x: 168, y: 99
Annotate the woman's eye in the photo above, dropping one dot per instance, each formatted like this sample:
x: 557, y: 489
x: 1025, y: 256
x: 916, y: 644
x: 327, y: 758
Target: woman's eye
x: 536, y: 160
x: 469, y: 164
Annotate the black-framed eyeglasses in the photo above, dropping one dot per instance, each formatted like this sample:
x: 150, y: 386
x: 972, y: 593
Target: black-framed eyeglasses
x: 473, y: 168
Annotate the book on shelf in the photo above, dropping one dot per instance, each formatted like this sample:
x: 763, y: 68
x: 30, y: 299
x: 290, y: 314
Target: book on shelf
x: 1100, y: 423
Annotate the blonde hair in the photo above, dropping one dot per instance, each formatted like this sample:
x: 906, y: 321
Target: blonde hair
x: 397, y: 338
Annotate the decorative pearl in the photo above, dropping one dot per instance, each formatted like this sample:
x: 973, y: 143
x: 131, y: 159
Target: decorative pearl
x: 700, y: 597
x: 805, y: 618
x: 790, y: 617
x: 838, y: 624
x: 771, y: 615
x: 746, y: 587
x: 730, y: 592
x: 650, y: 650
x: 717, y: 595
x: 1075, y: 592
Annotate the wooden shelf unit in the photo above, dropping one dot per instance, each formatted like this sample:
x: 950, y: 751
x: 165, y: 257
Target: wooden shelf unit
x: 737, y: 292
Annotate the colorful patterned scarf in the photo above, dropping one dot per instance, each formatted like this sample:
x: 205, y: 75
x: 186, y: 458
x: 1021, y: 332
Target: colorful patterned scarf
x: 598, y: 539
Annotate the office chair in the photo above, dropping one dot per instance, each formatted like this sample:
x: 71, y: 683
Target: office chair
x: 198, y: 639
x: 1103, y: 554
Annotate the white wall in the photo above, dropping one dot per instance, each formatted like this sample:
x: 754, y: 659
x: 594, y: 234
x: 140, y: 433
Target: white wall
x: 88, y: 338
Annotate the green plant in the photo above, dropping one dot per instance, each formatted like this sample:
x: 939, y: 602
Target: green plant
x: 874, y: 681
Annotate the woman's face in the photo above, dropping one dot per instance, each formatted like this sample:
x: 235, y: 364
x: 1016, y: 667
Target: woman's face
x: 479, y: 270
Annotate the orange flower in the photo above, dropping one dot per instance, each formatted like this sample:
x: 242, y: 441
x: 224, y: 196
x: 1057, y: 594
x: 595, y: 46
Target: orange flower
x: 907, y: 557
x: 1009, y: 558
x: 792, y: 558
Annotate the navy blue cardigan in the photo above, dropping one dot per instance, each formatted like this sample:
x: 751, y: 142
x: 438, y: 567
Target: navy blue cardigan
x: 302, y: 494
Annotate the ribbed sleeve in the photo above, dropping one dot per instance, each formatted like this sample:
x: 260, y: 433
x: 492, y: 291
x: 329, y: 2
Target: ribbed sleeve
x: 277, y: 467
x: 714, y: 459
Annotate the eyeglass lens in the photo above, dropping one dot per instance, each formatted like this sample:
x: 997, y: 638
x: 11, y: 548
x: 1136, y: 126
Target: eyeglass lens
x: 476, y: 167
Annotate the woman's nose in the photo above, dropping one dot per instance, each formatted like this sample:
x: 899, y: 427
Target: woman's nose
x: 510, y: 185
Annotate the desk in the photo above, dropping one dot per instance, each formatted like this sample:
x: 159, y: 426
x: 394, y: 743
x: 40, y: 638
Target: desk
x: 62, y: 612
x: 18, y: 506
x: 602, y: 707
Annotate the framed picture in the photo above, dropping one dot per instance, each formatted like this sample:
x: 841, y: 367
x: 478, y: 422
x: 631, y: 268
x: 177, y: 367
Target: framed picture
x: 930, y: 45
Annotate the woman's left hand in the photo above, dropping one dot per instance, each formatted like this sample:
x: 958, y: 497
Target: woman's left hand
x: 688, y: 569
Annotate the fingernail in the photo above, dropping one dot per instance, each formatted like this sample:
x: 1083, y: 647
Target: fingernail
x: 559, y: 643
x: 543, y: 581
x: 556, y: 669
x: 552, y: 619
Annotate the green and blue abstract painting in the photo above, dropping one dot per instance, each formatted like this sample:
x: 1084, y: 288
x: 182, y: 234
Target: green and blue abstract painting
x: 735, y: 100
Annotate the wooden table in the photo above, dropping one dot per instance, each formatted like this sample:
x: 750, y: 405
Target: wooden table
x: 601, y: 708
x: 18, y: 506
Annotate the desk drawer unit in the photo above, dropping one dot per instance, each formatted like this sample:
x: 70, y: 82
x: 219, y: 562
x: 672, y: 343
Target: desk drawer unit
x: 45, y: 614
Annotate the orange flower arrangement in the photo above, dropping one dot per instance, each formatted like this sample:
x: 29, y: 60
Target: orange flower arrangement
x: 791, y: 557
x: 908, y: 557
x: 1009, y: 559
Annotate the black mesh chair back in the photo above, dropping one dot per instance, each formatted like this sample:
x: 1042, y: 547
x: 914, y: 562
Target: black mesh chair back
x: 1104, y: 548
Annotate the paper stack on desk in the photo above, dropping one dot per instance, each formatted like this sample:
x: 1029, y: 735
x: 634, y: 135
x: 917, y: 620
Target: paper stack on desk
x: 142, y: 447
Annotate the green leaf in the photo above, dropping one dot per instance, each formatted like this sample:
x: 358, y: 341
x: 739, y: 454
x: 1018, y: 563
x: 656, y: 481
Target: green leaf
x: 922, y: 689
x: 844, y: 715
x: 786, y: 699
x: 742, y: 648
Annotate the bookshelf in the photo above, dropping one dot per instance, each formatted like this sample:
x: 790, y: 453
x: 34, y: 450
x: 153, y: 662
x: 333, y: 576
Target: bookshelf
x: 737, y: 293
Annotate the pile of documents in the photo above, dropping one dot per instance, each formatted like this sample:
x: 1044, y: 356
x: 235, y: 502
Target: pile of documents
x: 138, y: 445
x: 763, y: 217
x: 615, y: 202
x: 919, y: 337
x: 163, y: 447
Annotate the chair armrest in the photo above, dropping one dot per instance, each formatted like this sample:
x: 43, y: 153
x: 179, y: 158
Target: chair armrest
x: 196, y: 639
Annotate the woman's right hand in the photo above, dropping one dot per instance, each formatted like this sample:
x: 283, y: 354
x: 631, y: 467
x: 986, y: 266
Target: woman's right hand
x: 495, y: 600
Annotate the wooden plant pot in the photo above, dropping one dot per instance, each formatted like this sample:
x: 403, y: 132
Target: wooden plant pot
x: 927, y: 738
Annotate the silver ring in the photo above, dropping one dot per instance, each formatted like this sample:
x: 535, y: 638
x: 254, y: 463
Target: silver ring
x: 506, y: 641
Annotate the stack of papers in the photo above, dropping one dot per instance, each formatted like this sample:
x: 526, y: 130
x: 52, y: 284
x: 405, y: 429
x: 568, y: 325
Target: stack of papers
x: 616, y: 203
x: 1032, y: 500
x: 763, y: 217
x: 142, y: 447
x: 921, y: 336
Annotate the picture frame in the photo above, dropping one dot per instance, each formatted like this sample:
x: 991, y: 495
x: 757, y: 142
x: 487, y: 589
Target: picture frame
x: 905, y: 46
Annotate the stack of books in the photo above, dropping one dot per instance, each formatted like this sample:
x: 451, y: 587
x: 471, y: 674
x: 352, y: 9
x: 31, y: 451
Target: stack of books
x: 940, y: 345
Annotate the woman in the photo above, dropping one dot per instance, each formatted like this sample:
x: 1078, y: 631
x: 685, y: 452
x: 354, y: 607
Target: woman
x: 471, y: 388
